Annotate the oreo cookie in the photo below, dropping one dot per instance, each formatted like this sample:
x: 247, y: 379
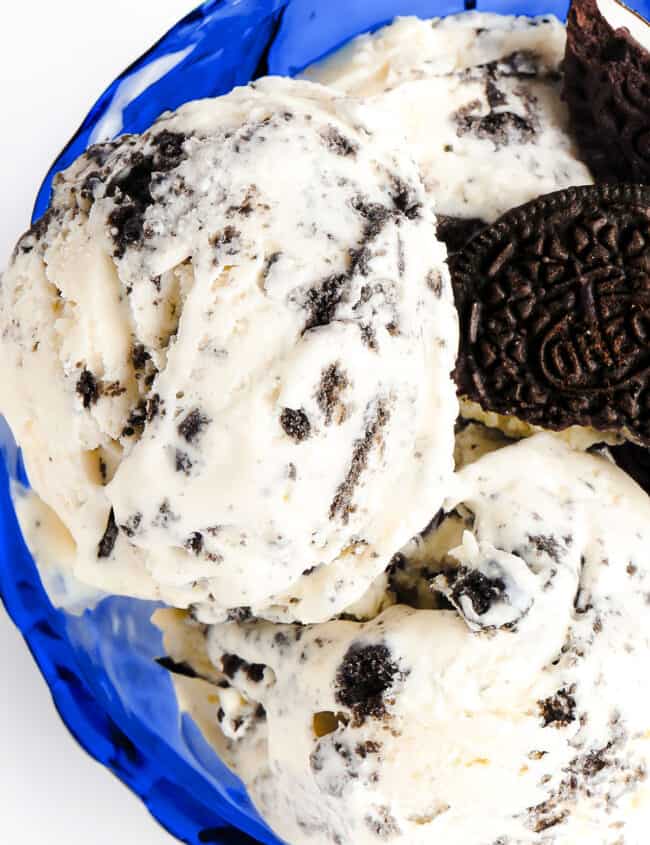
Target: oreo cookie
x: 635, y: 460
x: 607, y: 88
x: 554, y: 303
x: 455, y: 232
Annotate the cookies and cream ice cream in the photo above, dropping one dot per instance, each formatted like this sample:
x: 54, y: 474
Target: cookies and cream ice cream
x: 509, y: 706
x: 478, y: 96
x: 226, y: 354
x: 489, y: 688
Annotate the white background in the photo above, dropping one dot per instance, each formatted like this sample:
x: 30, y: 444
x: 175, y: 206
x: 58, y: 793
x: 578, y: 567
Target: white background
x: 55, y: 59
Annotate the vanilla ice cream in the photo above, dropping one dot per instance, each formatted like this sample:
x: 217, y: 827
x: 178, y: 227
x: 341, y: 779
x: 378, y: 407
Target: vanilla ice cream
x: 226, y: 355
x: 511, y: 710
x: 478, y: 97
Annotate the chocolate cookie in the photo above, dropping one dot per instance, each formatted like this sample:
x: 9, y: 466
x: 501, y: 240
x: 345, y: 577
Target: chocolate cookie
x: 607, y: 89
x: 456, y: 231
x: 635, y: 460
x: 554, y: 303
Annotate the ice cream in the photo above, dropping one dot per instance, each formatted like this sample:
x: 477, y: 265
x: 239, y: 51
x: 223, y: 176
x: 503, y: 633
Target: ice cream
x: 511, y: 710
x: 478, y: 96
x: 489, y: 687
x: 226, y: 354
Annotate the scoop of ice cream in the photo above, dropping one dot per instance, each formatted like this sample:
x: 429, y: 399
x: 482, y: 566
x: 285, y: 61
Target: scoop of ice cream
x: 478, y: 96
x: 226, y: 354
x: 515, y: 714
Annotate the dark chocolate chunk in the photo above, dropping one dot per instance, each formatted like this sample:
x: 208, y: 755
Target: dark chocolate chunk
x: 554, y: 303
x: 342, y: 503
x: 91, y: 184
x: 87, y: 388
x: 182, y: 462
x: 547, y: 544
x: 635, y: 460
x: 139, y: 356
x: 374, y: 213
x: 336, y: 142
x: 232, y: 664
x: 255, y: 672
x: 495, y: 95
x: 375, y: 217
x: 333, y: 382
x: 405, y: 199
x: 169, y: 150
x: 607, y: 89
x: 176, y: 667
x: 473, y: 585
x: 193, y: 425
x: 153, y: 406
x: 364, y: 677
x: 226, y: 241
x: 127, y: 227
x: 364, y: 749
x: 501, y: 127
x: 131, y: 187
x: 321, y: 302
x: 111, y: 388
x: 239, y: 614
x: 455, y: 232
x: 296, y: 424
x: 558, y: 710
x: 578, y: 782
x: 107, y: 543
x: 194, y: 543
x: 136, y: 420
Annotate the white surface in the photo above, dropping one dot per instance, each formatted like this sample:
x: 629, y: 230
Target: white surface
x: 55, y: 59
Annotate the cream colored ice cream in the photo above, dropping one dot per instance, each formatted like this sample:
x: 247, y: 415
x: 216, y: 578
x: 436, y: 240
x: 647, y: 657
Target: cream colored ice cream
x: 226, y: 354
x: 478, y: 96
x: 512, y: 710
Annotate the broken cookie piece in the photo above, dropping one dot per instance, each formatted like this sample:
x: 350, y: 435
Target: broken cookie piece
x: 490, y: 588
x: 606, y: 86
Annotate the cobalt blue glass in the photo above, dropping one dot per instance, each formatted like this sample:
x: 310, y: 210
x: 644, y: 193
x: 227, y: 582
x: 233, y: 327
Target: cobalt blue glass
x: 100, y: 666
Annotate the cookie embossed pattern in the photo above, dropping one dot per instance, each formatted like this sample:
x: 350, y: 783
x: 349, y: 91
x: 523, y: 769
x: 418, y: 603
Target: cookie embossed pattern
x: 555, y: 308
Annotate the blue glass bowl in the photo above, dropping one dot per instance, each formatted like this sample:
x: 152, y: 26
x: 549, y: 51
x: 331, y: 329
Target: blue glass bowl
x: 100, y: 666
